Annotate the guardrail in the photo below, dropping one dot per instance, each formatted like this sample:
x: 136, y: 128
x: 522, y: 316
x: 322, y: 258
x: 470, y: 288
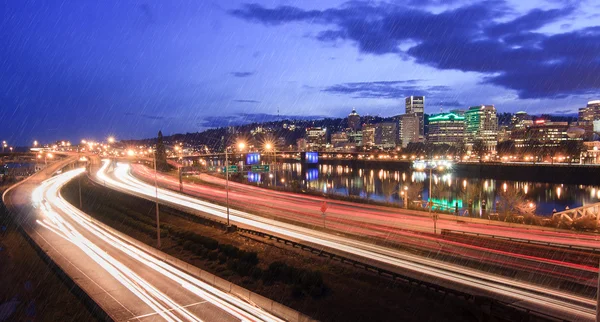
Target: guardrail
x: 520, y: 240
x: 396, y: 276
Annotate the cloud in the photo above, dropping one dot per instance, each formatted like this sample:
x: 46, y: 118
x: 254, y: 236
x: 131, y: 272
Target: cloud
x: 449, y: 104
x: 242, y: 74
x: 147, y: 116
x: 385, y: 89
x: 247, y: 118
x: 246, y: 101
x: 510, y: 54
x: 564, y: 112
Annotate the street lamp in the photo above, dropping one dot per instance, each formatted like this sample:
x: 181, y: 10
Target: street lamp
x: 35, y: 143
x: 269, y: 146
x: 156, y: 196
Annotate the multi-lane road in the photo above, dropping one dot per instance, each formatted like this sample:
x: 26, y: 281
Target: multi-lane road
x: 406, y: 227
x: 349, y: 217
x: 126, y: 279
x: 550, y: 300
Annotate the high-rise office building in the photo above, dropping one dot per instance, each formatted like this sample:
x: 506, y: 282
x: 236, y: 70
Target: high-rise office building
x: 587, y: 116
x: 416, y: 105
x: 386, y: 135
x: 368, y: 135
x: 409, y: 129
x: 482, y: 124
x: 354, y: 121
x: 542, y: 133
x: 446, y: 128
x: 520, y: 120
x: 316, y: 139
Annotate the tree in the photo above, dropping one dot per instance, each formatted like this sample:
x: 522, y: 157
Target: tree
x: 479, y: 148
x: 571, y: 148
x: 506, y: 147
x: 388, y: 187
x: 161, y: 154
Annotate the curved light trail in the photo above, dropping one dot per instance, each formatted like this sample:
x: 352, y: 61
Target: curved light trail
x: 94, y: 239
x: 557, y: 303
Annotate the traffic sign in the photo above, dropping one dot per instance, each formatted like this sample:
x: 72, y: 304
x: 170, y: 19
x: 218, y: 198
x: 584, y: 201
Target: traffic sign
x: 260, y: 168
x: 324, y: 207
x: 231, y: 168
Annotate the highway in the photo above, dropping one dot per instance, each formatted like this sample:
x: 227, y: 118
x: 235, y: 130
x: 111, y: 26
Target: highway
x: 405, y: 227
x: 348, y: 217
x: 126, y: 280
x: 557, y: 303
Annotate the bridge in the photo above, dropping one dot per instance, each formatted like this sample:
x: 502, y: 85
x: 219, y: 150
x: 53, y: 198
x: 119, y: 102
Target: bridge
x: 585, y: 211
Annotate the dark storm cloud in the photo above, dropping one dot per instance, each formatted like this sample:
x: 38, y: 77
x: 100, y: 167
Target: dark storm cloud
x: 242, y: 74
x: 246, y: 118
x: 511, y: 53
x: 385, y: 89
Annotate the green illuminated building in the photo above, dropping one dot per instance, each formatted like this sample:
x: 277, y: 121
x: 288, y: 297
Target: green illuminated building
x: 446, y: 128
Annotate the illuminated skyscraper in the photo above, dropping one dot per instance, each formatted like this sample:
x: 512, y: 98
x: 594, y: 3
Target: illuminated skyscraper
x: 354, y: 121
x: 416, y: 105
x: 409, y: 129
x: 482, y: 124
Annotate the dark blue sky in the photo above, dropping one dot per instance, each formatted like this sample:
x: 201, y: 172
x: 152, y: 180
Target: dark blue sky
x: 88, y: 69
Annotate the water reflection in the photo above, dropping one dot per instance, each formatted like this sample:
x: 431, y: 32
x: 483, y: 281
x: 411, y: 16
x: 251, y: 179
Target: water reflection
x: 449, y: 191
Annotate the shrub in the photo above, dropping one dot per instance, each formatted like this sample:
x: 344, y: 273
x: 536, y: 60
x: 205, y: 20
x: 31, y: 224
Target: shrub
x: 213, y: 255
x: 249, y: 257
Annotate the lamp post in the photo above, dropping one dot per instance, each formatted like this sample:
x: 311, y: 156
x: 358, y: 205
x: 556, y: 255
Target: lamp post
x: 156, y: 199
x: 268, y: 146
x: 4, y: 146
x: 434, y: 216
x: 227, y: 181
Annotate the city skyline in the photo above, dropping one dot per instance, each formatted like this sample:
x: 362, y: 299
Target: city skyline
x: 127, y: 70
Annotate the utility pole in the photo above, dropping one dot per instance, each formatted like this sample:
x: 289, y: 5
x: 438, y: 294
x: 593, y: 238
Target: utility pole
x: 275, y: 160
x: 157, y: 211
x: 227, y: 180
x: 430, y: 203
x: 598, y: 296
x: 80, y: 201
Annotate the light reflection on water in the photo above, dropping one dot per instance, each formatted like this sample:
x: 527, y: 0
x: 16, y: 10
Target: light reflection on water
x: 449, y: 189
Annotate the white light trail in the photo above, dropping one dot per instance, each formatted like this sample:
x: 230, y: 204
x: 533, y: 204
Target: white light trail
x: 525, y: 293
x: 51, y: 203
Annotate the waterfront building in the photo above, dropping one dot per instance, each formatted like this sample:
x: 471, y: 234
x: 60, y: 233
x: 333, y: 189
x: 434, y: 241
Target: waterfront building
x: 355, y: 137
x: 386, y: 135
x: 368, y: 135
x: 587, y: 116
x: 302, y: 145
x: 339, y: 141
x: 520, y: 120
x: 316, y: 138
x: 504, y: 133
x: 482, y: 124
x: 354, y: 121
x: 591, y: 153
x: 409, y: 129
x: 416, y: 105
x: 446, y: 128
x: 542, y: 133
